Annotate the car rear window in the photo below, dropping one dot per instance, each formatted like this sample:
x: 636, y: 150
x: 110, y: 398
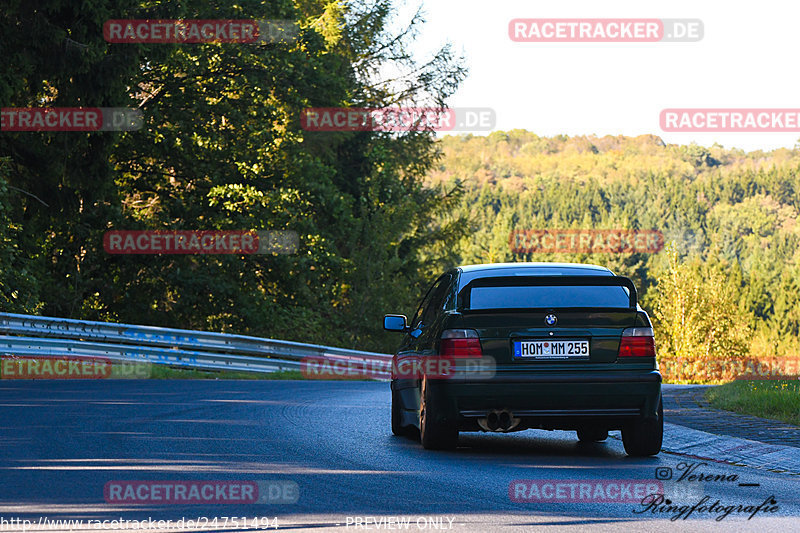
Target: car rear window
x: 521, y: 297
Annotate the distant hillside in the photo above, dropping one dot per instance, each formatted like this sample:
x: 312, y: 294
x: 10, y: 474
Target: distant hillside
x: 511, y: 158
x: 722, y: 210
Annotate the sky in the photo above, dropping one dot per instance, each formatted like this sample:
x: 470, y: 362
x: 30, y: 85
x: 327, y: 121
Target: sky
x: 747, y: 58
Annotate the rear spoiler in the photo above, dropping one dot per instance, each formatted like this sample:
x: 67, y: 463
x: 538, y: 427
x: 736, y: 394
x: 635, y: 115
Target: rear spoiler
x: 547, y: 281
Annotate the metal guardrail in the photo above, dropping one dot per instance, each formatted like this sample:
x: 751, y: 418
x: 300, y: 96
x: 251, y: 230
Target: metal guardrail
x: 27, y: 335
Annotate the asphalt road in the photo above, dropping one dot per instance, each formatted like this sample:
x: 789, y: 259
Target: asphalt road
x: 62, y: 442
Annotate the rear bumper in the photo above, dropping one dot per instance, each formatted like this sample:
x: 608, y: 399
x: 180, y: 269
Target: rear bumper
x: 554, y: 401
x: 621, y: 377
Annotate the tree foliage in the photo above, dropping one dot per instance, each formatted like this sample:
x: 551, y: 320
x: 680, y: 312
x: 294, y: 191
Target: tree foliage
x: 222, y: 148
x: 701, y: 326
x: 731, y: 216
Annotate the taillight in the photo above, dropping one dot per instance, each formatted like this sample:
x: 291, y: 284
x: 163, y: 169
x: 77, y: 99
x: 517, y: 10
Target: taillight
x: 637, y: 342
x: 460, y: 343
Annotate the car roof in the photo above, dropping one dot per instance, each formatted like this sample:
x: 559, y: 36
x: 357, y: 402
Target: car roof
x: 471, y: 272
x: 574, y: 269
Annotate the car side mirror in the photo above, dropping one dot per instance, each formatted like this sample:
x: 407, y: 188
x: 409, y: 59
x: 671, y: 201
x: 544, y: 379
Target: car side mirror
x: 395, y: 323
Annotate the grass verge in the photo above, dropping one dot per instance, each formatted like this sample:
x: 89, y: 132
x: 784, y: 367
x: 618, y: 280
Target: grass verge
x: 779, y: 400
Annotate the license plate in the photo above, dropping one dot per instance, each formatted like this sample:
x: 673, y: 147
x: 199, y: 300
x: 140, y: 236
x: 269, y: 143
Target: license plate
x: 552, y: 349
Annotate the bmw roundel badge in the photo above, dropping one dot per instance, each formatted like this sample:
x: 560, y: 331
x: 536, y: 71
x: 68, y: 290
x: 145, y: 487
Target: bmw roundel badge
x: 550, y: 320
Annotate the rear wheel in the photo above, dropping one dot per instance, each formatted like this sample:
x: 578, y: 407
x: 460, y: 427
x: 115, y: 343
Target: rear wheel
x: 433, y: 435
x: 644, y: 438
x: 592, y: 435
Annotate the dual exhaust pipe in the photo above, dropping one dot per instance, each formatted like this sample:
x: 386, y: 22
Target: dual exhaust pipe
x: 499, y: 420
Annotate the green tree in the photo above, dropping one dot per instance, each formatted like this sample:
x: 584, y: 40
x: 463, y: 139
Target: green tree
x: 700, y: 327
x: 19, y: 279
x: 222, y: 148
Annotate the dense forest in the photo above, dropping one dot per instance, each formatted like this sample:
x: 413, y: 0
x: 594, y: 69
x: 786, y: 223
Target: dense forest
x: 378, y: 214
x: 222, y: 148
x: 726, y: 286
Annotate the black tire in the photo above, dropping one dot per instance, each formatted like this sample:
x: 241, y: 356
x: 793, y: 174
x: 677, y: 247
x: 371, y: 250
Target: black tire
x: 397, y: 420
x: 433, y: 435
x: 644, y: 438
x: 592, y: 435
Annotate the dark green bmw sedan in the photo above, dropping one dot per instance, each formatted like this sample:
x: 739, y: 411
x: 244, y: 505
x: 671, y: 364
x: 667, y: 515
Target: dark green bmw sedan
x: 514, y: 346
